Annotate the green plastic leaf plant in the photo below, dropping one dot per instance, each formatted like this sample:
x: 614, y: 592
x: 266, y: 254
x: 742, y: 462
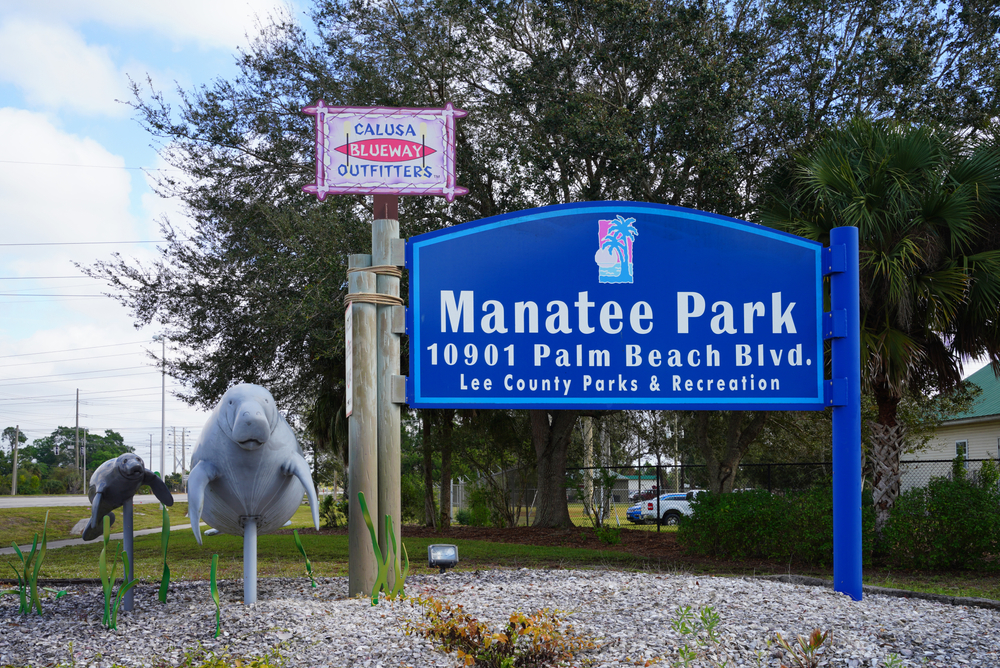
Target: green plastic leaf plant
x: 214, y: 588
x: 27, y: 578
x: 112, y: 603
x: 164, y: 540
x: 302, y: 550
x: 382, y: 580
x: 400, y: 577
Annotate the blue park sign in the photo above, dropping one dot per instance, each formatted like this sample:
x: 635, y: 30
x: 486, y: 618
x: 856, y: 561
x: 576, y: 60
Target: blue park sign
x: 611, y: 305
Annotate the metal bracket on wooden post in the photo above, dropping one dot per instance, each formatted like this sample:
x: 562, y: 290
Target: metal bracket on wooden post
x: 399, y: 389
x: 397, y: 253
x: 399, y: 320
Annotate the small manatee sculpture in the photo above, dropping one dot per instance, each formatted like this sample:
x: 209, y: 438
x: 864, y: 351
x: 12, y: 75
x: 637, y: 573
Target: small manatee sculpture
x: 247, y: 463
x: 116, y: 481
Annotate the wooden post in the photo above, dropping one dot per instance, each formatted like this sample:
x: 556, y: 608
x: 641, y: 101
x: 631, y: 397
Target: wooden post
x: 385, y: 235
x: 362, y: 432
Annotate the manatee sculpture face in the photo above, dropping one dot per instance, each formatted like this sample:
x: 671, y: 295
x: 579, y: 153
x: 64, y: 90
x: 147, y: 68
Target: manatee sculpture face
x: 116, y: 481
x: 247, y: 463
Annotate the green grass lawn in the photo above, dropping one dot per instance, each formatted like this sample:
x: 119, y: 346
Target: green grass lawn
x: 277, y: 555
x: 21, y: 524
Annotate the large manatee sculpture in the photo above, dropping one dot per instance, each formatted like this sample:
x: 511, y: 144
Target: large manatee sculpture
x: 114, y: 482
x: 247, y: 463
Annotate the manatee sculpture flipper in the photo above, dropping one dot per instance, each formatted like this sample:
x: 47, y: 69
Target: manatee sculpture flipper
x: 203, y: 473
x: 94, y: 529
x: 158, y: 487
x: 298, y: 467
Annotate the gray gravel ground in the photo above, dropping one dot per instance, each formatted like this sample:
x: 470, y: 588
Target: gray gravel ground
x: 629, y: 615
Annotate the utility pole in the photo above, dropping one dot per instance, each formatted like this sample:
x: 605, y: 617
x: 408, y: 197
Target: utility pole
x: 163, y: 406
x: 174, y: 429
x: 150, y: 449
x: 84, y: 460
x: 183, y: 454
x: 83, y: 482
x: 13, y: 479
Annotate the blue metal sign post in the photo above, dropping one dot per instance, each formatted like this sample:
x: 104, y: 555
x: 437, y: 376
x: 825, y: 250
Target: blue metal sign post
x: 844, y: 328
x: 625, y: 305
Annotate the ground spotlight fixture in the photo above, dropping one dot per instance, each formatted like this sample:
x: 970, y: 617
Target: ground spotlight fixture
x: 442, y: 556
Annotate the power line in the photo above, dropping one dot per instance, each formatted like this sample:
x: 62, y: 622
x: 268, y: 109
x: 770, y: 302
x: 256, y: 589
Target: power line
x: 16, y: 294
x: 67, y: 350
x: 70, y: 164
x: 70, y: 395
x: 36, y: 278
x: 75, y: 373
x: 84, y: 243
x: 62, y: 380
x: 70, y: 359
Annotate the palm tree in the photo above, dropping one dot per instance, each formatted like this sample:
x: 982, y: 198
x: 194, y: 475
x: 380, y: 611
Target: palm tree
x: 616, y: 241
x: 925, y: 205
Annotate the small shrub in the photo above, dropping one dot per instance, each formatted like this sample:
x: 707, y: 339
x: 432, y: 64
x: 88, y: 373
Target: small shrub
x: 609, y: 535
x: 539, y: 639
x: 759, y: 525
x: 479, y: 507
x: 951, y: 523
x: 464, y: 517
x: 333, y: 511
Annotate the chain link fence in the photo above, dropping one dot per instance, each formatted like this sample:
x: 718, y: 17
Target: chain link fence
x: 604, y: 495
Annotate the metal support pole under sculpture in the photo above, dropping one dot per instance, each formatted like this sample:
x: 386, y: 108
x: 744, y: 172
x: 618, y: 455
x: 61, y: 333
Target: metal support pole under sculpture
x: 390, y: 324
x: 129, y: 598
x: 249, y: 560
x: 845, y: 396
x: 362, y: 427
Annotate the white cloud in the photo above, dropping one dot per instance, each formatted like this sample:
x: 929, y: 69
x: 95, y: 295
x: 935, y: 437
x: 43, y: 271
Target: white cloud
x: 213, y: 24
x: 55, y: 68
x: 43, y: 201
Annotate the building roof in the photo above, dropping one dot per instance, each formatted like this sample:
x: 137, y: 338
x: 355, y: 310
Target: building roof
x: 988, y: 402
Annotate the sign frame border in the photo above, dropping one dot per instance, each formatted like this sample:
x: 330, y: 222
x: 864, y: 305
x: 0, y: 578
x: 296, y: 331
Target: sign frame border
x: 415, y: 244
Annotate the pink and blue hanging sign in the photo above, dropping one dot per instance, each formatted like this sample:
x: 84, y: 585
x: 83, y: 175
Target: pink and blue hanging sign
x: 385, y: 151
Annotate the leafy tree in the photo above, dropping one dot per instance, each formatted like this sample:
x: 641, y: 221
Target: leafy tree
x: 925, y: 205
x: 686, y: 102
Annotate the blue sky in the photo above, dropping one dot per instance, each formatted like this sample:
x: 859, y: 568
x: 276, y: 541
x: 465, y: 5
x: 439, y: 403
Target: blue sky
x: 72, y: 161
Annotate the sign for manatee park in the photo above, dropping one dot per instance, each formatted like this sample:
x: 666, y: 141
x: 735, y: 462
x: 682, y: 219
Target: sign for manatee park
x: 385, y: 151
x: 615, y: 305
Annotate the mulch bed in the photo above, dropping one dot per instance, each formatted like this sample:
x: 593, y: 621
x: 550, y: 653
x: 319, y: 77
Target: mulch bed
x: 660, y: 548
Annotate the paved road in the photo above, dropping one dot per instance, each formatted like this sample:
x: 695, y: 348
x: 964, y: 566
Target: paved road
x: 56, y: 544
x: 45, y: 501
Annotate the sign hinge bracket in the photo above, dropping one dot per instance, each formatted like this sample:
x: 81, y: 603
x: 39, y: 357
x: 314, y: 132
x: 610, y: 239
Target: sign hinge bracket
x: 398, y: 389
x: 835, y: 392
x: 834, y: 259
x: 398, y: 319
x: 835, y: 324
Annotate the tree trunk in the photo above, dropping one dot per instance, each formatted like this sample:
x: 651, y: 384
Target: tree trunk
x: 551, y: 440
x: 447, y: 426
x: 430, y: 513
x: 723, y: 463
x: 588, y: 461
x: 888, y: 440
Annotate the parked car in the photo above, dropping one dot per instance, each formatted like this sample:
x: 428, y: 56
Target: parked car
x: 645, y: 494
x: 671, y: 506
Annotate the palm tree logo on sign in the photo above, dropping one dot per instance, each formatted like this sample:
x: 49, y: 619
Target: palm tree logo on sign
x: 614, y: 254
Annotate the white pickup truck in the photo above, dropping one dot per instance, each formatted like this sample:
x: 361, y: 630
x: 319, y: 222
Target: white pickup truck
x: 670, y: 508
